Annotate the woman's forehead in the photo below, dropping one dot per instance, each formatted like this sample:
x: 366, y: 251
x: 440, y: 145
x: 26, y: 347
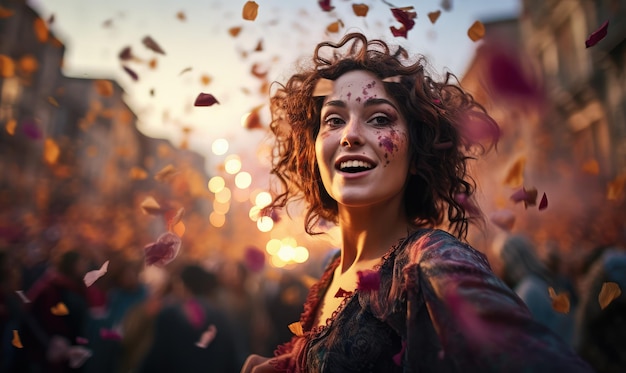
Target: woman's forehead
x: 358, y: 85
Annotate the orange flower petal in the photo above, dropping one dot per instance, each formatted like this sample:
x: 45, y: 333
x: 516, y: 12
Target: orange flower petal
x: 434, y: 16
x: 150, y: 206
x: 17, y: 343
x: 591, y: 167
x: 7, y: 66
x: 60, y: 309
x: 10, y: 126
x: 138, y: 173
x: 104, y: 87
x: 181, y: 16
x: 515, y: 175
x: 296, y: 328
x: 165, y: 174
x: 51, y: 151
x: 476, y: 31
x: 560, y: 302
x: 334, y: 27
x: 360, y: 10
x: 615, y: 189
x: 609, y: 292
x: 234, y: 31
x: 5, y: 12
x: 250, y: 11
x: 41, y: 30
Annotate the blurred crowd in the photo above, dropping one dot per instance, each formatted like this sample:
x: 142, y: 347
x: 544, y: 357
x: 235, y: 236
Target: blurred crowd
x: 210, y: 316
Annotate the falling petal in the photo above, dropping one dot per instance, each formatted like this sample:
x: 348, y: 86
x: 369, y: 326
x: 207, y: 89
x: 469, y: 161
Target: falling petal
x: 16, y: 342
x: 53, y: 101
x: 259, y: 46
x: 397, y: 358
x: 609, y: 292
x: 131, y: 73
x: 10, y: 126
x: 335, y: 26
x: 478, y: 129
x: 368, y: 280
x: 104, y: 87
x: 207, y: 337
x: 153, y: 63
x: 507, y: 75
x: 528, y: 196
x: 405, y: 16
x: 93, y: 276
x: 591, y: 167
x: 515, y: 175
x: 173, y: 217
x: 560, y: 302
x: 446, y: 5
x: 342, y: 293
x: 150, y: 206
x: 434, y: 16
x: 597, y: 35
x: 194, y: 313
x: 138, y: 173
x: 205, y: 79
x: 250, y: 11
x: 165, y: 174
x: 615, y: 189
x: 7, y: 66
x: 126, y: 54
x: 476, y: 31
x: 205, y: 99
x: 51, y: 151
x: 163, y: 251
x: 325, y: 5
x: 110, y: 334
x: 504, y: 219
x: 253, y: 119
x: 22, y: 296
x: 234, y: 31
x: 185, y: 70
x: 41, y: 30
x: 296, y: 328
x: 149, y: 43
x: 543, y: 204
x: 254, y: 259
x: 360, y: 10
x: 60, y: 309
x: 31, y: 130
x: 181, y: 16
x: 77, y: 355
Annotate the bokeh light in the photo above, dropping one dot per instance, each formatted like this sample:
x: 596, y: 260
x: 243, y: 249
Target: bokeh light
x: 265, y: 224
x: 221, y: 207
x: 223, y: 195
x: 254, y: 213
x: 273, y: 246
x: 216, y: 184
x: 232, y: 165
x: 217, y: 220
x: 220, y: 146
x: 243, y: 180
x: 300, y: 254
x: 263, y: 199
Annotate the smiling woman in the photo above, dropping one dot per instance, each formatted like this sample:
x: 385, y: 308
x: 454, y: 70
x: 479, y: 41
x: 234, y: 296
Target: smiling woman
x: 376, y: 146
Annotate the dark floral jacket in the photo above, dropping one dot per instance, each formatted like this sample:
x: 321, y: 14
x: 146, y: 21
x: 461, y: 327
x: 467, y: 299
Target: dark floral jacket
x: 439, y: 308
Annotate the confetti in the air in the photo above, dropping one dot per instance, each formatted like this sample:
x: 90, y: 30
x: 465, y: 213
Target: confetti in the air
x: 599, y: 34
x: 150, y: 206
x: 138, y: 173
x: 165, y: 174
x: 342, y: 293
x: 163, y: 251
x: 543, y: 204
x: 476, y: 31
x: 51, y: 151
x: 22, y: 296
x: 133, y: 75
x: 92, y: 276
x: 16, y: 342
x: 515, y: 175
x: 609, y: 292
x: 149, y: 43
x: 234, y: 31
x: 250, y: 11
x: 560, y: 301
x: 296, y: 328
x: 325, y: 5
x: 10, y: 126
x: 360, y: 10
x: 205, y: 99
x: 60, y: 309
x: 207, y: 337
x: 528, y: 196
x: 434, y: 16
x: 405, y: 16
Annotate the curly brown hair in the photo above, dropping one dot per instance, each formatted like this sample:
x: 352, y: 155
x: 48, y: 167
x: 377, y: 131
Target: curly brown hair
x: 436, y: 113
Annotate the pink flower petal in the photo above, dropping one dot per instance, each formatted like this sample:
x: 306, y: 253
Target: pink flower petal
x: 476, y: 128
x: 194, y: 312
x: 205, y: 99
x: 504, y: 219
x: 543, y: 204
x: 93, y: 276
x: 110, y: 335
x: 163, y: 251
x: 325, y: 5
x: 254, y: 259
x: 397, y: 358
x: 368, y: 280
x: 207, y: 337
x: 597, y: 35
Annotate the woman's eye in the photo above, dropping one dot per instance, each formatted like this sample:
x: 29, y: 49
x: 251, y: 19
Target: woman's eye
x: 333, y: 121
x: 380, y: 120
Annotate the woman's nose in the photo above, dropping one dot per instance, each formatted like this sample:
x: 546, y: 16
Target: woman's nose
x: 352, y: 134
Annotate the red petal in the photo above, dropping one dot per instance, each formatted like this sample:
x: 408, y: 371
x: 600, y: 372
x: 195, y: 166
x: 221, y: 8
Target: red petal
x: 342, y: 293
x: 205, y: 99
x: 543, y: 204
x: 597, y: 35
x: 368, y: 280
x: 131, y: 73
x: 325, y: 5
x: 163, y: 251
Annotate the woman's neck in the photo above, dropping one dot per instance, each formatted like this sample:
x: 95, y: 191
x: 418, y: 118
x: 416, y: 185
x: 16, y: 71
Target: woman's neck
x: 368, y: 233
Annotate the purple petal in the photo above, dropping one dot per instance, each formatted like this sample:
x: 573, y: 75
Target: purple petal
x: 597, y: 35
x: 205, y: 99
x: 163, y: 251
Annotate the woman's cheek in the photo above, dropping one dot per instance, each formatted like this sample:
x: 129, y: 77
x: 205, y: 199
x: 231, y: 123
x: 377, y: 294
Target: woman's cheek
x: 391, y: 142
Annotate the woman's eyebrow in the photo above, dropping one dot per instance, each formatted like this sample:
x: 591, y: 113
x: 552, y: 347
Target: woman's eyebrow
x: 378, y: 101
x: 338, y: 103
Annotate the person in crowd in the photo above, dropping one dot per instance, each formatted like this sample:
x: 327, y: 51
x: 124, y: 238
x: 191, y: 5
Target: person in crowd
x: 374, y: 144
x: 601, y: 317
x: 192, y: 335
x: 56, y: 316
x: 526, y: 274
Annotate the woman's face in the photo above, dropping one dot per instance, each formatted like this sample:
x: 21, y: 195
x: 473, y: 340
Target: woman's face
x: 362, y: 147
